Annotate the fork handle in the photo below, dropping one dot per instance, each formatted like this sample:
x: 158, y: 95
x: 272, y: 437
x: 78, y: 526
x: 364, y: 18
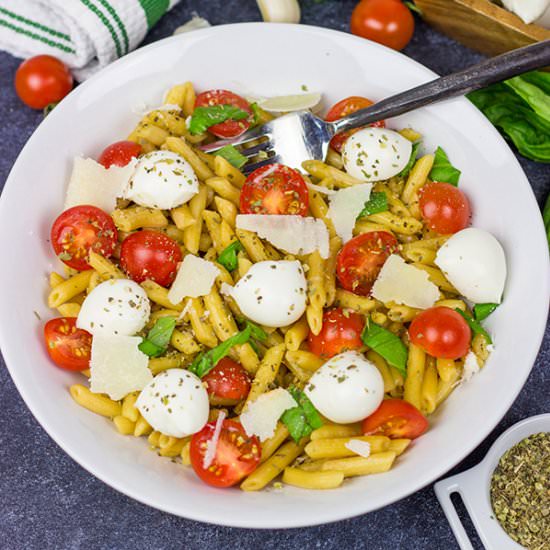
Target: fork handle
x: 487, y: 72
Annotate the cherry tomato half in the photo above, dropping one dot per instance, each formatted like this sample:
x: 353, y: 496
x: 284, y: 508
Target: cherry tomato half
x: 341, y: 331
x: 395, y: 418
x: 119, y: 153
x: 150, y: 255
x: 388, y: 22
x: 237, y: 454
x: 441, y: 332
x: 229, y: 128
x: 68, y: 346
x: 274, y: 189
x: 444, y: 207
x: 344, y: 108
x: 361, y: 259
x: 81, y: 229
x: 42, y: 80
x: 227, y: 381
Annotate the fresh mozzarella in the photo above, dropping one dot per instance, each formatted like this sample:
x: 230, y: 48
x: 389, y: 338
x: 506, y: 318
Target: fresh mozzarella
x: 117, y: 366
x: 288, y: 103
x: 404, y: 284
x: 293, y: 234
x: 347, y: 388
x: 375, y: 154
x: 175, y: 403
x: 162, y: 179
x: 475, y: 264
x: 115, y: 307
x: 271, y: 293
x: 345, y: 206
x: 195, y: 278
x: 527, y: 10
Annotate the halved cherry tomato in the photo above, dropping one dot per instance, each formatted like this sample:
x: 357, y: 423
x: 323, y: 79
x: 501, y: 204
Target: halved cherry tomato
x: 227, y: 380
x: 68, y: 346
x: 274, y: 189
x: 119, y: 153
x: 81, y: 229
x: 42, y: 80
x: 361, y: 259
x: 237, y: 454
x: 395, y: 418
x: 229, y: 128
x: 150, y: 255
x: 387, y: 22
x: 341, y: 331
x: 444, y: 207
x: 441, y: 332
x: 346, y: 107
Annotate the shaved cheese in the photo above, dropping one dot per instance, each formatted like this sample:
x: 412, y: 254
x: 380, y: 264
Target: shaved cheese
x: 345, y: 206
x: 195, y: 278
x: 212, y: 444
x: 471, y: 368
x: 261, y: 416
x: 186, y: 309
x: 359, y: 447
x: 320, y: 189
x: 293, y: 234
x: 404, y: 284
x: 92, y: 183
x: 117, y: 366
x: 288, y: 103
x: 196, y: 22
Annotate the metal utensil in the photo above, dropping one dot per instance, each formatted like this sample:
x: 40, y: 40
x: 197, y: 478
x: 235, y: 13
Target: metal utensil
x: 296, y: 137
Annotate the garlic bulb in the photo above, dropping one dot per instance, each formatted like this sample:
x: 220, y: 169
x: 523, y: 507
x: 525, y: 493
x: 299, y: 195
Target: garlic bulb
x: 280, y: 11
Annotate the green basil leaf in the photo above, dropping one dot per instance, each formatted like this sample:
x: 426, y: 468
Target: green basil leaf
x: 205, y: 117
x: 482, y: 311
x: 475, y: 326
x: 231, y: 155
x: 412, y: 159
x: 228, y: 256
x: 150, y: 349
x: 443, y: 170
x: 159, y: 336
x: 386, y: 344
x: 378, y: 202
x: 295, y: 420
x: 303, y: 419
x: 256, y: 331
x: 312, y: 416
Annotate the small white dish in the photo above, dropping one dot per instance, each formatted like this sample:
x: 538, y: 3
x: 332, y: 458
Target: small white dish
x: 474, y: 484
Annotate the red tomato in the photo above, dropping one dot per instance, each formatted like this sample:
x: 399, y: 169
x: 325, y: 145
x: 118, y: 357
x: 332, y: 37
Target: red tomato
x: 388, y: 22
x: 441, y: 332
x: 150, y: 255
x: 274, y: 189
x: 395, y: 418
x: 341, y: 332
x: 68, y: 346
x: 119, y: 153
x: 42, y: 80
x: 444, y: 207
x: 344, y: 108
x: 227, y: 380
x: 81, y: 229
x: 229, y: 128
x: 361, y: 259
x: 237, y: 454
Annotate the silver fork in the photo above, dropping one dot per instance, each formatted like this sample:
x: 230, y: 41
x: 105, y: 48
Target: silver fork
x: 296, y: 137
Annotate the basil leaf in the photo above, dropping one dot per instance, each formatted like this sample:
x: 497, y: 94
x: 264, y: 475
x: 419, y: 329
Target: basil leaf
x: 256, y: 332
x: 295, y: 420
x: 412, y: 159
x: 205, y: 117
x: 228, y: 256
x: 443, y: 170
x: 378, y: 202
x: 150, y: 349
x: 159, y: 336
x: 386, y: 344
x: 231, y: 155
x: 482, y: 311
x: 474, y: 325
x: 303, y: 419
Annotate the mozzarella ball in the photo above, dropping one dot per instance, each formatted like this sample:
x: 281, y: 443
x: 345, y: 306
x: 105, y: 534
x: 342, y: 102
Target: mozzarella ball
x: 347, y: 388
x: 116, y: 307
x: 475, y: 264
x: 271, y: 293
x: 162, y: 179
x: 175, y: 403
x: 374, y: 154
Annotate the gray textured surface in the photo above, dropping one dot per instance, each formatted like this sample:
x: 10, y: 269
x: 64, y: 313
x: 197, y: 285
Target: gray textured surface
x: 48, y: 501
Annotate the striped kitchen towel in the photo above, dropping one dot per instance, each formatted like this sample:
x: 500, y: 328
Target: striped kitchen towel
x: 85, y: 34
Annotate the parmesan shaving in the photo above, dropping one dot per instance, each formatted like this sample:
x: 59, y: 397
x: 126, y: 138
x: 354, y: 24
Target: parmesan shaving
x: 185, y: 310
x: 196, y: 22
x: 359, y: 447
x: 195, y: 278
x: 345, y: 206
x: 471, y: 368
x: 289, y: 103
x: 212, y: 444
x: 320, y: 189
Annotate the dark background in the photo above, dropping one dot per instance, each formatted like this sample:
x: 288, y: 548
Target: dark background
x: 48, y: 501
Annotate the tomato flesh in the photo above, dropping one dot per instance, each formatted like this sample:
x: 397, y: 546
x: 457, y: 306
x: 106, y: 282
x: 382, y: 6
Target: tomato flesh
x: 69, y: 347
x: 274, y: 189
x: 227, y: 380
x: 395, y: 418
x: 341, y: 331
x: 82, y: 229
x: 237, y: 454
x: 346, y: 107
x: 441, y: 332
x: 444, y: 207
x: 119, y: 153
x: 361, y: 259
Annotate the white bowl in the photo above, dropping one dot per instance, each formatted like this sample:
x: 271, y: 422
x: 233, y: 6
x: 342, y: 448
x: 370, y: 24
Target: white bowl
x: 264, y: 60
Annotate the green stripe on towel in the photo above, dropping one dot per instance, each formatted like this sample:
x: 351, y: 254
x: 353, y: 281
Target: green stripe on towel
x: 19, y: 30
x: 35, y: 24
x: 154, y: 10
x: 101, y: 16
x: 119, y: 22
